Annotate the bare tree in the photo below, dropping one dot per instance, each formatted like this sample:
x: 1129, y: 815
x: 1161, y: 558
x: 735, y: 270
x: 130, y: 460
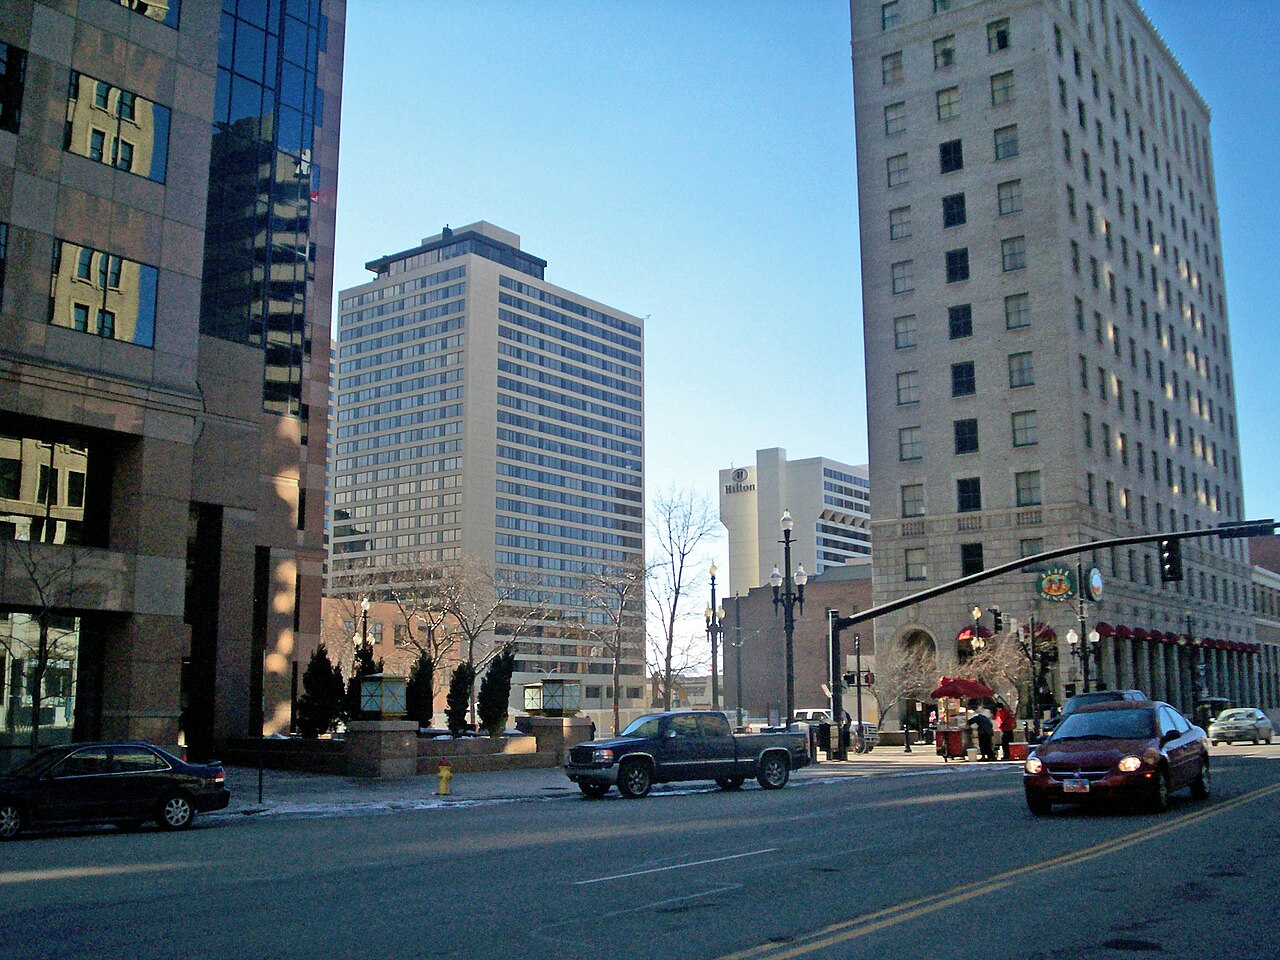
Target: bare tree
x: 616, y: 594
x: 903, y: 672
x: 52, y: 575
x: 1002, y: 666
x: 680, y: 522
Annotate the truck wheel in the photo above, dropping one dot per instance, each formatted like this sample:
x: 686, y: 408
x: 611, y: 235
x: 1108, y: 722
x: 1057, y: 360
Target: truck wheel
x: 634, y: 780
x: 774, y: 772
x: 592, y: 789
x: 729, y: 783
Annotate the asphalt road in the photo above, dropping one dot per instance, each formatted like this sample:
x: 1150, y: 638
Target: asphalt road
x: 947, y: 864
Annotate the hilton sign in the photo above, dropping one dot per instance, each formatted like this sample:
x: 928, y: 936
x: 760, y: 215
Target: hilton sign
x: 738, y: 486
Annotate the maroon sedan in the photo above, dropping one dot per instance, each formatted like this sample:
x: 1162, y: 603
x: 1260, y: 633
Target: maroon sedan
x: 1138, y: 751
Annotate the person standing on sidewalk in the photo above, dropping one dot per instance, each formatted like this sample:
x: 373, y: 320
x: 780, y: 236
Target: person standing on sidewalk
x: 1005, y: 722
x: 982, y: 721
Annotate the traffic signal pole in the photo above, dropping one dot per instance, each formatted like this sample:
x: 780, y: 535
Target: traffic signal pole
x: 1226, y: 531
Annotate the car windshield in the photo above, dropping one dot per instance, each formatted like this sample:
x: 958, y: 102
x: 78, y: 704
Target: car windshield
x: 39, y: 762
x: 1107, y: 725
x: 1085, y: 700
x: 643, y: 727
x: 1236, y: 715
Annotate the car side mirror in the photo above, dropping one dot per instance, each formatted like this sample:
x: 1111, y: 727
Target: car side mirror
x: 671, y: 734
x: 1167, y: 736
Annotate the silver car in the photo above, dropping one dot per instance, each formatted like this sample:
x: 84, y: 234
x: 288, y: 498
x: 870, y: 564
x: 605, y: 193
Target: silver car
x: 1241, y: 723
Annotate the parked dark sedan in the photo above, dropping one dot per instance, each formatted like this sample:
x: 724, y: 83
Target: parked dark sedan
x: 1125, y: 750
x: 121, y: 783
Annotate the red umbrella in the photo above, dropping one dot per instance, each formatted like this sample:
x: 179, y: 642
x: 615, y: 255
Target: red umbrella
x: 962, y: 688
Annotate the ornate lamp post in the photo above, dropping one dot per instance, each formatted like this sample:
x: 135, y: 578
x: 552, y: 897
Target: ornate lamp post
x: 787, y: 592
x: 1079, y: 649
x: 715, y: 632
x: 975, y: 641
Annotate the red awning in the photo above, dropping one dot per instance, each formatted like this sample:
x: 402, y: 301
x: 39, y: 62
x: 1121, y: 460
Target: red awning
x: 1171, y: 637
x: 1123, y: 633
x: 967, y: 634
x: 1105, y: 629
x: 1142, y: 633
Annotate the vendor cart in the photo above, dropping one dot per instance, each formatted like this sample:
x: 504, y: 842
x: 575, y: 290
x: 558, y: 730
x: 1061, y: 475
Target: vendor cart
x: 952, y: 736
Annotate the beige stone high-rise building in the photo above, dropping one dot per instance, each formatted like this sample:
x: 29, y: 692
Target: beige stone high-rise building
x: 167, y: 197
x: 484, y: 414
x: 1048, y: 352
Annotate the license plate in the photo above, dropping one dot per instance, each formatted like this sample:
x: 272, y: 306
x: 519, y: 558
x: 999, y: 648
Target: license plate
x: 1075, y: 785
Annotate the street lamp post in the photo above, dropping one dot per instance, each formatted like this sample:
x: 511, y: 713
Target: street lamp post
x: 1083, y: 649
x: 715, y: 631
x: 737, y: 649
x: 364, y: 621
x: 787, y: 592
x: 1199, y: 691
x: 976, y: 643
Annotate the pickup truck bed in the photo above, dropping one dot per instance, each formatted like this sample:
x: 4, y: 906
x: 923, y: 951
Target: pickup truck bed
x: 685, y: 745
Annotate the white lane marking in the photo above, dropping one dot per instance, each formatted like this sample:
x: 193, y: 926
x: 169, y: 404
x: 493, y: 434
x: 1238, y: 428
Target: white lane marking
x: 676, y: 866
x: 542, y: 933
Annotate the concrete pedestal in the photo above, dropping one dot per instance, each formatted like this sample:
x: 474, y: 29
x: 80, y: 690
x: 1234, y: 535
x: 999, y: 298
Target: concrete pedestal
x: 382, y: 748
x: 557, y: 734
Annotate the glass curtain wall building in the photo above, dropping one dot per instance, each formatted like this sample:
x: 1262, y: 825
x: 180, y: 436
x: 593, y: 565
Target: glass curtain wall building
x: 163, y: 266
x: 482, y: 412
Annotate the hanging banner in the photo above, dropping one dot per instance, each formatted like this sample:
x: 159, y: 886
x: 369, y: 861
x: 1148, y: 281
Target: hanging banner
x: 1057, y: 583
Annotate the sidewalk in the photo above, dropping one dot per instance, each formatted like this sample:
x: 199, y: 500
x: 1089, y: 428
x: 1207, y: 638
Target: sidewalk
x: 288, y: 793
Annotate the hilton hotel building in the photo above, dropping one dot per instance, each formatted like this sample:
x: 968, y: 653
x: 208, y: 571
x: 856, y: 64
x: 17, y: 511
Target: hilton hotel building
x: 167, y: 195
x: 1048, y: 352
x: 481, y: 411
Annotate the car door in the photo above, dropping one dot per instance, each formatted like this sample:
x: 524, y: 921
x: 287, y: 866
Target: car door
x: 1180, y: 750
x: 679, y: 757
x: 74, y: 789
x: 718, y: 750
x: 139, y: 777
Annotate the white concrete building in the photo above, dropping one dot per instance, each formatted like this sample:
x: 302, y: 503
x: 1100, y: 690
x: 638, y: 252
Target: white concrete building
x: 828, y: 500
x: 1047, y: 345
x: 481, y: 411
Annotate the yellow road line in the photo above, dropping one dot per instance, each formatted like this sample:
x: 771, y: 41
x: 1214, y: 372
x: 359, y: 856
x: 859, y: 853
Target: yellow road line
x: 900, y: 913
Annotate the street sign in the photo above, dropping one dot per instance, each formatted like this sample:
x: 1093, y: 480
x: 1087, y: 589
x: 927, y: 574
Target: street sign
x: 1095, y: 585
x: 1246, y: 529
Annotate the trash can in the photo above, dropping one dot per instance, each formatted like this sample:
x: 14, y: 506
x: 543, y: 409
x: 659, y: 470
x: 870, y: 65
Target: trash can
x: 1018, y: 751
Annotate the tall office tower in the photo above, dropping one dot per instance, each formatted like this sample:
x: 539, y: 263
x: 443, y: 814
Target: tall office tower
x: 1047, y: 349
x: 484, y: 413
x: 166, y: 244
x: 829, y: 501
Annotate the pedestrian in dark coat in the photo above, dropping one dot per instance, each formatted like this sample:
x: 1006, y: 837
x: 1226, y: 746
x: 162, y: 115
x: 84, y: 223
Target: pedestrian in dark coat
x: 986, y: 741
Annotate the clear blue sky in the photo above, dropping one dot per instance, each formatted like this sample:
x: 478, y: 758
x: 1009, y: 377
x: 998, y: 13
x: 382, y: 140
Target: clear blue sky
x: 693, y: 162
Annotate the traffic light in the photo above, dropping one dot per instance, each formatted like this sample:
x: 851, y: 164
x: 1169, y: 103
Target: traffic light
x: 851, y: 678
x: 997, y: 620
x: 1170, y: 560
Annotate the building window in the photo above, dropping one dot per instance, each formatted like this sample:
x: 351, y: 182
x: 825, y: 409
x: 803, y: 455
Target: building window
x: 913, y: 499
x: 948, y: 103
x: 1088, y: 431
x: 969, y: 494
x: 951, y: 156
x: 953, y: 212
x: 905, y: 330
x: 121, y: 294
x: 1031, y: 546
x: 1006, y: 141
x: 891, y: 68
x: 944, y: 52
x: 146, y: 122
x: 963, y: 379
x: 166, y: 13
x: 900, y: 223
x: 1027, y: 488
x: 1013, y: 253
x: 966, y: 436
x: 960, y: 321
x: 916, y: 568
x: 909, y: 387
x: 1001, y: 88
x: 1025, y: 429
x: 895, y: 118
x: 970, y: 558
x: 13, y: 75
x: 890, y: 16
x: 901, y: 274
x: 998, y: 35
x: 957, y: 265
x: 1021, y: 371
x: 1017, y: 311
x: 898, y: 170
x: 1009, y: 196
x: 910, y: 446
x: 941, y: 6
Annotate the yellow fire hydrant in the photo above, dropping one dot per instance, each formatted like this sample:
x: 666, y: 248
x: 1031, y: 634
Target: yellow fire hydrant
x: 445, y: 773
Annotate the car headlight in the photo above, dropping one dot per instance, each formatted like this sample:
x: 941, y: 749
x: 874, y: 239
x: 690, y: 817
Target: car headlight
x: 1033, y: 765
x: 1130, y: 764
x: 603, y: 755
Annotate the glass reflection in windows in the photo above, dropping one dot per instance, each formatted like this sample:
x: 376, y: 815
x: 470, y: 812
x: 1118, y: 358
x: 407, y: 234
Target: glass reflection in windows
x: 116, y: 127
x: 43, y: 488
x: 118, y: 294
x: 161, y: 11
x: 13, y: 74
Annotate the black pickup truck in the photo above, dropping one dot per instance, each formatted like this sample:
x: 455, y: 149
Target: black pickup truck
x: 685, y: 745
